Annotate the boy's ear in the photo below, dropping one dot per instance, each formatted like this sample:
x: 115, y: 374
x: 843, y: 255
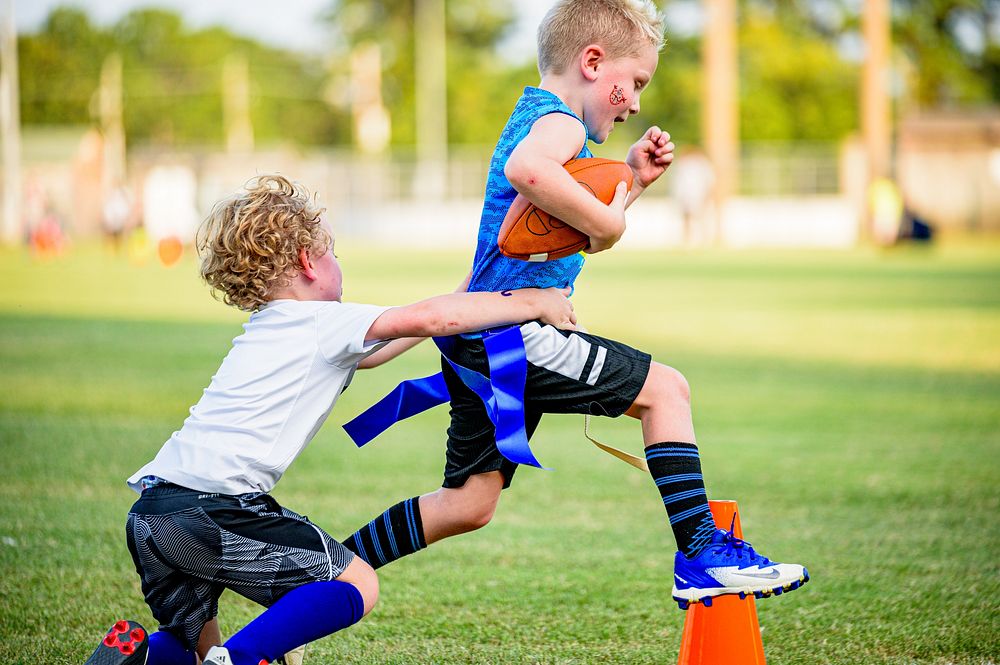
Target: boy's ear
x: 306, y: 263
x: 590, y: 59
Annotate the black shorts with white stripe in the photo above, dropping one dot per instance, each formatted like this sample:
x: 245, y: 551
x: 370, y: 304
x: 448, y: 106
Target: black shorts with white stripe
x: 189, y: 546
x: 568, y: 372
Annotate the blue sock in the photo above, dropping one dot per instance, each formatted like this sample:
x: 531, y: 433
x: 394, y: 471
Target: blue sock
x: 165, y: 649
x: 302, y: 615
x: 676, y: 469
x: 397, y: 532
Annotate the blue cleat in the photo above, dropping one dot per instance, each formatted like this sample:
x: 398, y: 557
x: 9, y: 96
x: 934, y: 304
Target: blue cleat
x: 729, y: 565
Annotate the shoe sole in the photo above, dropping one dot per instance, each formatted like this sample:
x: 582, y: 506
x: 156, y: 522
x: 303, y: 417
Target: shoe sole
x: 127, y: 643
x: 293, y: 657
x: 687, y: 597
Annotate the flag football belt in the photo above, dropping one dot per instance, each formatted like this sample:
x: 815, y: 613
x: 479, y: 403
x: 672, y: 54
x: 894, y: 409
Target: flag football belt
x: 502, y: 394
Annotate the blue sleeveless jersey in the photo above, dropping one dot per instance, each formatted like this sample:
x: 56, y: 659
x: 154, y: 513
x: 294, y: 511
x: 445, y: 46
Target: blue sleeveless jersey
x: 491, y: 270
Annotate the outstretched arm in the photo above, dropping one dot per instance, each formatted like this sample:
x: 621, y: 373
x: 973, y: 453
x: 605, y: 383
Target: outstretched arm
x: 394, y: 348
x: 467, y: 312
x: 399, y: 346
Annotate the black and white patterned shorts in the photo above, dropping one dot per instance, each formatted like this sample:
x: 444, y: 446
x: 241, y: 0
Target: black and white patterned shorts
x: 568, y: 372
x: 189, y: 546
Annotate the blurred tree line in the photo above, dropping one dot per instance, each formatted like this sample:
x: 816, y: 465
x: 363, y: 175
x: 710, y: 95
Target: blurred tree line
x: 172, y: 80
x: 799, y: 69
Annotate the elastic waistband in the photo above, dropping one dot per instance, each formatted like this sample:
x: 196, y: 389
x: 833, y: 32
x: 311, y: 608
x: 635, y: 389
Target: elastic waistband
x: 169, y: 497
x: 165, y: 489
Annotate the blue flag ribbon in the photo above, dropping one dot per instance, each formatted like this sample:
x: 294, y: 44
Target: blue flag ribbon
x: 502, y: 394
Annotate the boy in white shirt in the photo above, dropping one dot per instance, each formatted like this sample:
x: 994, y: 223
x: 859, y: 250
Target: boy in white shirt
x: 204, y: 520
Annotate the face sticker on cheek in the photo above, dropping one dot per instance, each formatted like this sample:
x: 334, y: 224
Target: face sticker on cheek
x: 617, y: 96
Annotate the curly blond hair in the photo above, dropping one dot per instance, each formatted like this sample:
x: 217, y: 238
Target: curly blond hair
x: 249, y: 244
x: 622, y: 27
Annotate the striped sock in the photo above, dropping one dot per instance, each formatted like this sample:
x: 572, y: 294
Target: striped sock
x: 390, y: 536
x: 676, y: 470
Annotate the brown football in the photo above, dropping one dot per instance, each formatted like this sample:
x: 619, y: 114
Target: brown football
x: 529, y: 233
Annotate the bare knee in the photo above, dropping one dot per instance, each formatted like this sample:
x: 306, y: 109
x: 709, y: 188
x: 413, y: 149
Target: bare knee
x: 476, y: 516
x: 472, y: 505
x: 664, y: 385
x: 364, y: 579
x: 451, y: 511
x: 673, y: 385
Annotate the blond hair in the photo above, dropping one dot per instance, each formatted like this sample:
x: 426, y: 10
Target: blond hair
x: 249, y: 244
x: 622, y: 27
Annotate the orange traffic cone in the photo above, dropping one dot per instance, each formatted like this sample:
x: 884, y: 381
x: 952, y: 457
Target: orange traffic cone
x: 727, y: 633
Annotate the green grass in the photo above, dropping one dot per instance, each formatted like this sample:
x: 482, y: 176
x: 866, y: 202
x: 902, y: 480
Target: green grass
x: 849, y: 401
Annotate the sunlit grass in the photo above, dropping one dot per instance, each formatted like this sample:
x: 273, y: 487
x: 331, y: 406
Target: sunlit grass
x: 849, y: 401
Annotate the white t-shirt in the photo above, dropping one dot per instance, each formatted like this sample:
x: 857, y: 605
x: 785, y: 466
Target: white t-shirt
x: 270, y: 396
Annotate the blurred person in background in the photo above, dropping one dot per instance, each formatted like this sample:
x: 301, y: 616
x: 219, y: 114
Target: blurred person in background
x: 117, y: 211
x: 693, y: 179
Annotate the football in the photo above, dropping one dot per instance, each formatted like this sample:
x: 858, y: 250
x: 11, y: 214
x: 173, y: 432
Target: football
x: 529, y: 233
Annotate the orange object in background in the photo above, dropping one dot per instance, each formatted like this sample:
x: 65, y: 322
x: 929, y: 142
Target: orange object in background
x: 170, y: 250
x: 727, y: 633
x: 46, y: 239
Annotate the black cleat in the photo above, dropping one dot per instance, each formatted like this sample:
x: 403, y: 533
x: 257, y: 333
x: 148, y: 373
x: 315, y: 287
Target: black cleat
x: 127, y: 643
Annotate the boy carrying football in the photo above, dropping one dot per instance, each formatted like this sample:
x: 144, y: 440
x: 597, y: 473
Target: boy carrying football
x: 595, y: 58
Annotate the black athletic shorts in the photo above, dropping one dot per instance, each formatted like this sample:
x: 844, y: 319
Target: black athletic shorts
x: 188, y: 546
x: 568, y: 372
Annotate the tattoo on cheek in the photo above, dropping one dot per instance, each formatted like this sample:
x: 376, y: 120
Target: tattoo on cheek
x: 506, y: 293
x: 617, y: 95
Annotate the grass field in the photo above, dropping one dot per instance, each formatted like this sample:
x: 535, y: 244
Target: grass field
x: 849, y: 401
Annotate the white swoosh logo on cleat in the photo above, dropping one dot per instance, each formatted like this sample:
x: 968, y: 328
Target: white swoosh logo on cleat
x: 770, y: 575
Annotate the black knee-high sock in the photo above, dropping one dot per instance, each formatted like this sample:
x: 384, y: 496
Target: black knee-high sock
x: 390, y: 536
x: 676, y: 470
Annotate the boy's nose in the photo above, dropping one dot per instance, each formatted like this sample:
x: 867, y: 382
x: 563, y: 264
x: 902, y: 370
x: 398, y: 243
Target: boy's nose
x: 632, y: 110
